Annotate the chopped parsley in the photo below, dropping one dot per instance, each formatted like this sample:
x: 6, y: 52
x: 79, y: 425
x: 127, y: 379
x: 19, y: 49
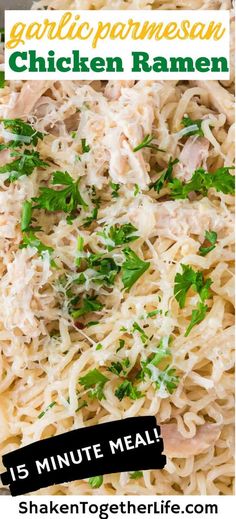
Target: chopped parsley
x: 26, y: 215
x: 121, y: 345
x: 118, y: 367
x: 31, y: 240
x: 150, y: 368
x: 126, y: 388
x: 2, y: 79
x: 197, y: 316
x: 118, y: 235
x: 136, y: 475
x: 221, y: 180
x: 115, y: 189
x: 187, y: 121
x: 166, y: 176
x: 65, y: 200
x: 18, y: 128
x: 211, y: 237
x: 96, y: 481
x: 92, y: 323
x: 132, y: 268
x: 153, y: 313
x: 95, y: 381
x: 89, y: 304
x: 93, y: 217
x: 47, y: 409
x: 136, y: 328
x: 162, y: 353
x: 183, y: 282
x: 24, y: 164
x: 105, y: 269
x: 80, y: 246
x: 168, y: 378
x: 2, y: 75
x: 147, y: 143
x: 2, y: 35
x: 85, y: 146
x: 191, y: 279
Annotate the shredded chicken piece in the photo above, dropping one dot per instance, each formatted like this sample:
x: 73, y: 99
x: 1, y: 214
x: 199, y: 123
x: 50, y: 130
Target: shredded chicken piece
x: 113, y: 88
x: 125, y: 165
x: 176, y: 446
x: 27, y: 98
x: 192, y: 156
x: 177, y: 218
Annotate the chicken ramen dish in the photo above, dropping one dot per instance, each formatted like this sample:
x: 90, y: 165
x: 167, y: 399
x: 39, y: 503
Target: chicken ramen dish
x: 116, y: 259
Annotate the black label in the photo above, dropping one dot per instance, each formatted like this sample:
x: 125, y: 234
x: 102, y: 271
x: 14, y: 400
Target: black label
x: 124, y: 445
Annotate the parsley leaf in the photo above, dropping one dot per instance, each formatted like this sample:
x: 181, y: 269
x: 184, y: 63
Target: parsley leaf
x: 136, y: 475
x: 118, y: 367
x: 96, y: 481
x: 96, y: 201
x: 166, y: 176
x: 137, y: 190
x: 183, y: 282
x: 90, y: 219
x: 203, y: 289
x: 202, y: 181
x: 168, y: 378
x: 31, y: 240
x: 2, y: 79
x: 118, y: 235
x: 126, y: 388
x: 162, y: 353
x: 47, y: 409
x: 65, y: 200
x: 26, y: 215
x: 26, y: 133
x: 147, y: 143
x: 121, y: 345
x: 187, y: 121
x: 223, y: 181
x: 197, y: 316
x: 153, y: 313
x: 115, y: 189
x: 85, y: 147
x: 211, y: 237
x: 189, y: 278
x: 25, y: 164
x: 105, y: 269
x: 79, y: 250
x: 95, y: 381
x: 143, y: 336
x: 89, y: 304
x: 132, y: 268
